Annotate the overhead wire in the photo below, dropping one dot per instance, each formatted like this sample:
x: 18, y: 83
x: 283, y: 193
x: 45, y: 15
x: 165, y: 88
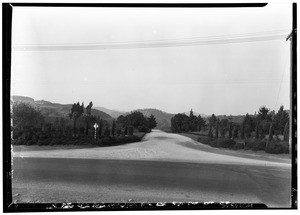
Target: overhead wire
x: 191, y: 41
x: 282, y: 75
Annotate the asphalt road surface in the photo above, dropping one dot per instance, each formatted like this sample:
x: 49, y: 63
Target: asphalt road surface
x: 162, y: 168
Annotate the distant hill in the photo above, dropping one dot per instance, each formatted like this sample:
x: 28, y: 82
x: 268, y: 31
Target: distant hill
x: 113, y: 113
x: 49, y: 109
x: 23, y: 99
x: 163, y: 119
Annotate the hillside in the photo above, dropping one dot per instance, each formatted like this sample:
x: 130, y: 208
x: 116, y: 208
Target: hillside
x: 113, y: 113
x: 51, y: 110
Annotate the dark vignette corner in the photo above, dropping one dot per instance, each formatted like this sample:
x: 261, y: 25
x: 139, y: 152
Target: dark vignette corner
x: 6, y: 66
x: 293, y: 108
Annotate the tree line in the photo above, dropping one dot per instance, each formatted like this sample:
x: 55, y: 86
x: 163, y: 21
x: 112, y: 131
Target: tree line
x: 263, y: 124
x: 29, y: 126
x: 183, y: 123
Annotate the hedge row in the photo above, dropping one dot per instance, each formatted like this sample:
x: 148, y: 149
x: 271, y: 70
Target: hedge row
x: 274, y: 147
x: 103, y: 141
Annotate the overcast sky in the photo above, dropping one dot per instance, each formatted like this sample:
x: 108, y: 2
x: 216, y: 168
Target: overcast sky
x: 221, y: 78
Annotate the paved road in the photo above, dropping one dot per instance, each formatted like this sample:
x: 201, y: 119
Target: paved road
x: 163, y: 168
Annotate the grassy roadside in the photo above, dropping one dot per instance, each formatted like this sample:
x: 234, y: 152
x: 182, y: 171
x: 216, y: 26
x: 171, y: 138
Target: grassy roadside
x: 139, y: 134
x: 81, y: 143
x: 280, y: 149
x: 20, y: 148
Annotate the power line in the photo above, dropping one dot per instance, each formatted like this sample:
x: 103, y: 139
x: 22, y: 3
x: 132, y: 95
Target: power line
x: 192, y: 41
x: 228, y: 36
x: 282, y: 75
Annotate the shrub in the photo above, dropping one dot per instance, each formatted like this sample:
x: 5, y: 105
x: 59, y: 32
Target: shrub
x: 43, y: 142
x: 29, y: 142
x: 18, y: 142
x: 83, y: 140
x: 42, y: 136
x: 223, y: 143
x: 119, y: 131
x: 108, y: 141
x: 215, y: 143
x: 130, y: 130
x: 210, y: 135
x: 204, y: 140
x: 104, y: 141
x: 107, y: 132
x: 256, y: 145
x: 55, y: 142
x: 277, y: 147
x: 143, y: 128
x: 238, y: 146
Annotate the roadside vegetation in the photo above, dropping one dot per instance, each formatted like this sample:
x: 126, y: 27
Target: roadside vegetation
x: 31, y: 127
x: 264, y: 131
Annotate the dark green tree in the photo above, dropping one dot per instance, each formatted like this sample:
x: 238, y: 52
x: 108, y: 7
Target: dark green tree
x: 119, y: 131
x: 230, y: 130
x: 265, y: 118
x: 130, y: 130
x: 201, y: 123
x: 136, y: 119
x: 263, y: 113
x: 212, y: 120
x: 62, y: 125
x: 180, y: 123
x: 249, y: 125
x: 243, y: 131
x: 193, y: 121
x: 223, y: 127
x: 25, y: 118
x: 88, y: 117
x: 122, y: 121
x: 257, y: 130
x: 107, y: 130
x: 280, y: 120
x: 100, y: 128
x: 217, y: 129
x: 235, y: 131
x: 286, y: 132
x: 210, y: 135
x: 76, y: 112
x: 113, y: 128
x: 152, y: 122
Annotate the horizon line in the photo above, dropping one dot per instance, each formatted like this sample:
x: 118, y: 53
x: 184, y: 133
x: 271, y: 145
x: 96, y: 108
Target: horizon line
x: 124, y: 112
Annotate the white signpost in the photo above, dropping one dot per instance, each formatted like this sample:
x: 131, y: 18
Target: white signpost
x: 95, y: 126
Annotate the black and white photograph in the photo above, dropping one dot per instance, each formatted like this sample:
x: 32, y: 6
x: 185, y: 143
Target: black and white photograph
x: 161, y: 105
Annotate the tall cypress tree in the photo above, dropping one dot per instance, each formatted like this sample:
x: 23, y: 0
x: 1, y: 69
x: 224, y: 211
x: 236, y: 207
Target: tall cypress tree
x: 210, y: 135
x: 100, y: 128
x: 88, y: 117
x: 217, y: 129
x: 113, y: 128
x: 243, y: 131
x: 76, y: 112
x: 230, y: 129
x: 257, y: 131
x: 235, y: 131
